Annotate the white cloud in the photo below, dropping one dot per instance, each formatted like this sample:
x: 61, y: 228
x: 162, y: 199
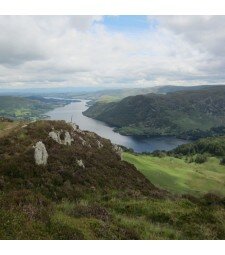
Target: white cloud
x: 39, y: 51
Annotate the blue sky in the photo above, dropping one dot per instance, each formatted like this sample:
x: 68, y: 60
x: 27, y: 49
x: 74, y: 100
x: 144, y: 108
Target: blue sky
x: 127, y: 23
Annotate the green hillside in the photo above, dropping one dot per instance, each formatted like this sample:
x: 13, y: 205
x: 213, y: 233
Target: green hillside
x: 179, y: 176
x: 180, y: 113
x: 27, y: 107
x: 85, y: 191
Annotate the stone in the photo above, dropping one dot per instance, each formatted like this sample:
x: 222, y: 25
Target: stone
x: 118, y: 150
x: 55, y: 135
x: 80, y: 163
x: 100, y: 145
x: 68, y: 139
x: 40, y: 154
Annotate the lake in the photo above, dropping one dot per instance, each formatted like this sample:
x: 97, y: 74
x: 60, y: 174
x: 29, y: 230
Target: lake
x: 75, y: 110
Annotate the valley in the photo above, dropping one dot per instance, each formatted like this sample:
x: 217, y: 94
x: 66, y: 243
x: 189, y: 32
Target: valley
x: 83, y: 186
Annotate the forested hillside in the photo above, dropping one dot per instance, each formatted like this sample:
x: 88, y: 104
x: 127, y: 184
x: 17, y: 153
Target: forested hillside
x: 180, y: 113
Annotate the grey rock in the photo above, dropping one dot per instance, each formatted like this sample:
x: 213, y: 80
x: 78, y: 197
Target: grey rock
x: 100, y: 145
x: 118, y: 150
x: 80, y: 163
x: 40, y: 154
x: 55, y: 135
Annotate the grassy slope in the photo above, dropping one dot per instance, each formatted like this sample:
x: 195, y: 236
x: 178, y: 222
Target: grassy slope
x: 6, y: 127
x: 180, y: 177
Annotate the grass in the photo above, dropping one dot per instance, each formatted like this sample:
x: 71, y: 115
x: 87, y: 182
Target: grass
x: 138, y: 219
x: 7, y: 127
x: 180, y: 177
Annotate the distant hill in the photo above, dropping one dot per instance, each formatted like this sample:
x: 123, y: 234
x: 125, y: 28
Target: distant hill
x: 112, y: 95
x: 174, y: 113
x: 27, y: 107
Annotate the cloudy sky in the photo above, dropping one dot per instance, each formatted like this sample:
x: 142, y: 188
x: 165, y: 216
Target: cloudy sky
x: 111, y: 51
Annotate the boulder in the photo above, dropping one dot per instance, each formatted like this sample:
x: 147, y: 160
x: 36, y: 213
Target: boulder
x: 68, y: 139
x: 40, y: 154
x: 55, y: 135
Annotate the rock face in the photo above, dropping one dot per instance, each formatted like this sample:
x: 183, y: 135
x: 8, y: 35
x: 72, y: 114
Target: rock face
x: 80, y: 163
x: 40, y: 154
x: 56, y: 136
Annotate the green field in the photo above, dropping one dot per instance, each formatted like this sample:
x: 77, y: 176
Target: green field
x: 178, y: 176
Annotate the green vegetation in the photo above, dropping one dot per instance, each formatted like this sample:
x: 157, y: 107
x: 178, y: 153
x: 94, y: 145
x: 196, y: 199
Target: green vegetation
x: 109, y: 198
x: 187, y: 114
x: 214, y: 146
x: 179, y: 176
x: 27, y: 108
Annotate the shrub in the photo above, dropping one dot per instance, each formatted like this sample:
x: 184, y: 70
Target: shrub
x: 222, y: 161
x: 200, y: 159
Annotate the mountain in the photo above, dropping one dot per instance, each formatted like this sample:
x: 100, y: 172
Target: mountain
x: 173, y: 114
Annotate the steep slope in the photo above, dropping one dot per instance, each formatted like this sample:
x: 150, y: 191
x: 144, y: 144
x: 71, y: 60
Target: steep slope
x: 58, y: 182
x: 75, y: 162
x: 171, y: 114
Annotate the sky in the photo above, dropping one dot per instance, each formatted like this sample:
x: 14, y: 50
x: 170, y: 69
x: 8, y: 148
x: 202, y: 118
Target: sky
x: 111, y: 51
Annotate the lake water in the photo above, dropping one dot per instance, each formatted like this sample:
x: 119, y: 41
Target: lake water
x: 75, y: 110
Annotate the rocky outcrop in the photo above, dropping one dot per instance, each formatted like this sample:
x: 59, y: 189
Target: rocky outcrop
x: 99, y: 144
x: 67, y: 139
x: 80, y: 163
x: 118, y: 150
x: 56, y: 136
x: 40, y: 154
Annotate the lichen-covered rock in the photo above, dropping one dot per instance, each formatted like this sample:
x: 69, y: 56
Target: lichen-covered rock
x: 118, y: 150
x: 40, y: 154
x: 56, y: 136
x: 100, y: 145
x: 80, y: 163
x: 67, y: 139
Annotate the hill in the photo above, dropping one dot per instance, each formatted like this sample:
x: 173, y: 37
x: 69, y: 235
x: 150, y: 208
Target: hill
x: 179, y: 113
x: 59, y: 182
x: 27, y: 107
x: 113, y: 95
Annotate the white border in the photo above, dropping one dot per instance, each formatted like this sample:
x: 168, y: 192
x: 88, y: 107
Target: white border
x: 111, y: 7
x: 112, y: 247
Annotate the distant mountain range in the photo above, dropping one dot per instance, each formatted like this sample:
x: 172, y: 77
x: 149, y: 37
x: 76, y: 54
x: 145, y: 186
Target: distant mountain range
x: 173, y: 114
